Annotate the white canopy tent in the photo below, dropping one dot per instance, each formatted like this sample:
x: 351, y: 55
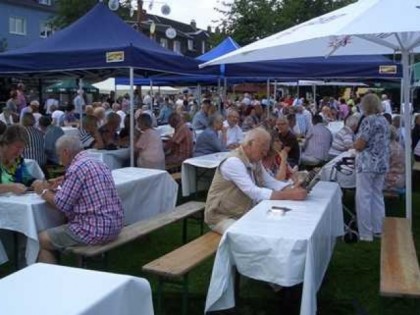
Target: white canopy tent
x: 366, y: 27
x: 109, y: 85
x: 319, y: 83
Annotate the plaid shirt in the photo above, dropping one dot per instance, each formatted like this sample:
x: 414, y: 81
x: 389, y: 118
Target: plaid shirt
x: 90, y: 201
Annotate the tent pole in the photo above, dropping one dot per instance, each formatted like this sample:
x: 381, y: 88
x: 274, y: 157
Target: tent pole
x: 268, y: 97
x: 81, y: 109
x: 224, y: 92
x: 406, y: 92
x: 219, y: 86
x: 297, y: 89
x: 152, y: 94
x: 274, y: 97
x: 131, y: 117
x: 198, y: 95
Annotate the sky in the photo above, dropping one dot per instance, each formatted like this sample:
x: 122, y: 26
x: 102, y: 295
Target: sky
x: 202, y: 11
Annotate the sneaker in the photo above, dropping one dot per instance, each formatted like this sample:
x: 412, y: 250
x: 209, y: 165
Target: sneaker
x: 366, y: 238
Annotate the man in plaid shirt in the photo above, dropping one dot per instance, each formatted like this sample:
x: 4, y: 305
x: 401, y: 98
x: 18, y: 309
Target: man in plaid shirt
x: 88, y: 198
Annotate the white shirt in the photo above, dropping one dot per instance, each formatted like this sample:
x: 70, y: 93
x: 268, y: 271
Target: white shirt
x: 386, y: 106
x: 233, y: 169
x: 55, y: 116
x: 48, y: 103
x: 234, y: 135
x: 9, y: 121
x: 122, y: 115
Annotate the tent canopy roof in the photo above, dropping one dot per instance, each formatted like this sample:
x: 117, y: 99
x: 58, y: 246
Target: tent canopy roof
x: 99, y: 43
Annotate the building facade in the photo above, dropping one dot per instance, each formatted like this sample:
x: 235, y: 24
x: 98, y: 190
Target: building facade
x: 23, y: 22
x: 182, y: 38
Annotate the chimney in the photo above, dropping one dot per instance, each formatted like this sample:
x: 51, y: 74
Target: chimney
x: 193, y: 24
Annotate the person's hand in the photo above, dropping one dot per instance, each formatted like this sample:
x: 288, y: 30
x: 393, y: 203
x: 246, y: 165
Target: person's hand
x: 18, y: 188
x: 283, y: 155
x: 55, y: 182
x: 296, y: 193
x: 39, y: 186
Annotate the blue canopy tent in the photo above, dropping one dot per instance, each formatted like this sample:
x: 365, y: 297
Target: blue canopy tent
x: 334, y: 67
x: 97, y: 45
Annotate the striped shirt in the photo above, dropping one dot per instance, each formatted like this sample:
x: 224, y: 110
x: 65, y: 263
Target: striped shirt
x: 318, y: 142
x: 90, y: 201
x: 35, y: 147
x: 87, y: 139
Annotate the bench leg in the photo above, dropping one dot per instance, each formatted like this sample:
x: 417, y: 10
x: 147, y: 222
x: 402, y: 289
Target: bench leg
x: 82, y: 261
x: 16, y: 250
x: 185, y: 295
x: 184, y: 230
x: 159, y: 296
x: 236, y: 284
x: 202, y: 222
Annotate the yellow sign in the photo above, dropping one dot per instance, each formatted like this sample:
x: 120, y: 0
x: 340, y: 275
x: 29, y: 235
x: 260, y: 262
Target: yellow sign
x: 114, y: 56
x: 388, y: 69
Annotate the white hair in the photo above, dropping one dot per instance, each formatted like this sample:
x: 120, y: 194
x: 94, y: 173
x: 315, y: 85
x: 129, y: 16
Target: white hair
x: 256, y: 134
x: 71, y: 143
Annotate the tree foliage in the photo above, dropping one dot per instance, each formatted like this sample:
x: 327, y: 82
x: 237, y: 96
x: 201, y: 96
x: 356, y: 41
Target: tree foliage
x: 249, y: 20
x: 69, y: 11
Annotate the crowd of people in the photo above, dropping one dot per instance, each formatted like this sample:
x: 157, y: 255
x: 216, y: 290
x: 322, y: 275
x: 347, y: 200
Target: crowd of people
x: 268, y: 145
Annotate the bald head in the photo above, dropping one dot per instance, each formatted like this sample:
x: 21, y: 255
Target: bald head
x: 256, y: 144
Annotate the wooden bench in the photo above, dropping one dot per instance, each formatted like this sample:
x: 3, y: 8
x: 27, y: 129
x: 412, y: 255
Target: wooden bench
x: 400, y: 273
x: 176, y: 176
x: 416, y: 166
x: 178, y: 263
x: 141, y: 228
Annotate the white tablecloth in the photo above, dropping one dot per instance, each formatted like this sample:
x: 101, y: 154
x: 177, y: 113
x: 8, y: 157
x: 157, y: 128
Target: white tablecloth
x: 189, y: 171
x: 165, y: 130
x: 37, y: 173
x: 346, y: 178
x: 144, y: 193
x: 335, y: 126
x: 43, y: 289
x: 113, y: 158
x: 70, y: 131
x: 285, y: 250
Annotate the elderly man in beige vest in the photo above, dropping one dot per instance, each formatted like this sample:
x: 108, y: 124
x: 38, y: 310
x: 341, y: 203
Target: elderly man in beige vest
x: 240, y: 182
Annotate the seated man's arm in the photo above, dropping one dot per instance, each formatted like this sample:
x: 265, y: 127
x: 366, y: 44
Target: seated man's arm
x: 233, y: 169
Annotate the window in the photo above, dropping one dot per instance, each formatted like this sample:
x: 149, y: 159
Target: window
x: 45, y: 30
x: 45, y: 2
x: 203, y: 47
x: 190, y: 44
x: 177, y: 46
x: 17, y: 25
x: 164, y: 42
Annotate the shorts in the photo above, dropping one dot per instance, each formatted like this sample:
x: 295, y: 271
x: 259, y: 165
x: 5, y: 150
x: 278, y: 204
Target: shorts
x: 62, y: 237
x: 222, y: 226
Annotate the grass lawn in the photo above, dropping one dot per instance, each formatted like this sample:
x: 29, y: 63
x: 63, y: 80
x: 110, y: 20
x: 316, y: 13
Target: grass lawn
x: 351, y: 284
